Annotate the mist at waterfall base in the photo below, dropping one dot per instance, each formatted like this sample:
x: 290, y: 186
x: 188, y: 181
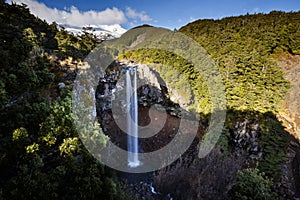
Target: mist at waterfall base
x: 132, y: 117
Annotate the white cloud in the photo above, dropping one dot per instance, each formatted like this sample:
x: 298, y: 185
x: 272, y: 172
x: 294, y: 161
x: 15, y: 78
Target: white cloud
x: 133, y: 14
x: 73, y: 16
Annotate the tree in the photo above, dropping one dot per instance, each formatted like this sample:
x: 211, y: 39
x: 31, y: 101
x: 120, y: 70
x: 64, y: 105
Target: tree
x: 252, y: 184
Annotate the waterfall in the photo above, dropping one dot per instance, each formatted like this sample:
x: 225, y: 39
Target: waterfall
x: 132, y: 117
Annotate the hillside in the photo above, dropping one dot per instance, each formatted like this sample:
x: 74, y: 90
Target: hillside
x: 275, y: 37
x: 249, y: 52
x: 42, y: 156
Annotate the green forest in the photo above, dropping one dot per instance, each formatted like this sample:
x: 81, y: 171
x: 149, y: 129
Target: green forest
x: 41, y: 155
x: 244, y: 49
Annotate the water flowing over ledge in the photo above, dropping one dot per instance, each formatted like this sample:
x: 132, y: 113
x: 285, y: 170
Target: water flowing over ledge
x: 132, y: 117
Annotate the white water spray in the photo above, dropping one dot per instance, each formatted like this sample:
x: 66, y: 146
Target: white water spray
x: 132, y: 117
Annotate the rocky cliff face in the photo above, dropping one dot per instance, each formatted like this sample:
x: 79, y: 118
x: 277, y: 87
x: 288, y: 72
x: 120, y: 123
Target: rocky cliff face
x: 201, y: 177
x: 290, y: 116
x: 152, y: 77
x: 291, y: 113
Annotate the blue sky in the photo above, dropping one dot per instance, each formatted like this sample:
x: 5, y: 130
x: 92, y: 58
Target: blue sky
x: 164, y: 13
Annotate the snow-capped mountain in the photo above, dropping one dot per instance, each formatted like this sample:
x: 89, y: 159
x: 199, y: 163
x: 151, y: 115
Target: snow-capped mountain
x: 100, y: 30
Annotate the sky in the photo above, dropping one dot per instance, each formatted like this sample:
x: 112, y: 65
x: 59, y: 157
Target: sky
x: 169, y: 14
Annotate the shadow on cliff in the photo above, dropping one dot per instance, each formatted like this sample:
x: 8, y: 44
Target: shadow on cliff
x: 248, y: 140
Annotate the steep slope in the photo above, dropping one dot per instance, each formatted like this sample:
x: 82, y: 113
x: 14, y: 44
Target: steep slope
x: 41, y: 156
x: 250, y: 45
x: 243, y: 49
x: 290, y: 114
x: 234, y: 42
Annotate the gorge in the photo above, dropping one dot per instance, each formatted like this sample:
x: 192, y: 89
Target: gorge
x: 49, y: 151
x: 245, y: 135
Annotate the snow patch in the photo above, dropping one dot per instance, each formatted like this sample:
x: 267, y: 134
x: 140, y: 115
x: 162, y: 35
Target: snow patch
x: 99, y: 30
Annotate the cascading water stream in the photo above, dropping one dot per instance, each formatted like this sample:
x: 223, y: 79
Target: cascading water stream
x: 132, y: 117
